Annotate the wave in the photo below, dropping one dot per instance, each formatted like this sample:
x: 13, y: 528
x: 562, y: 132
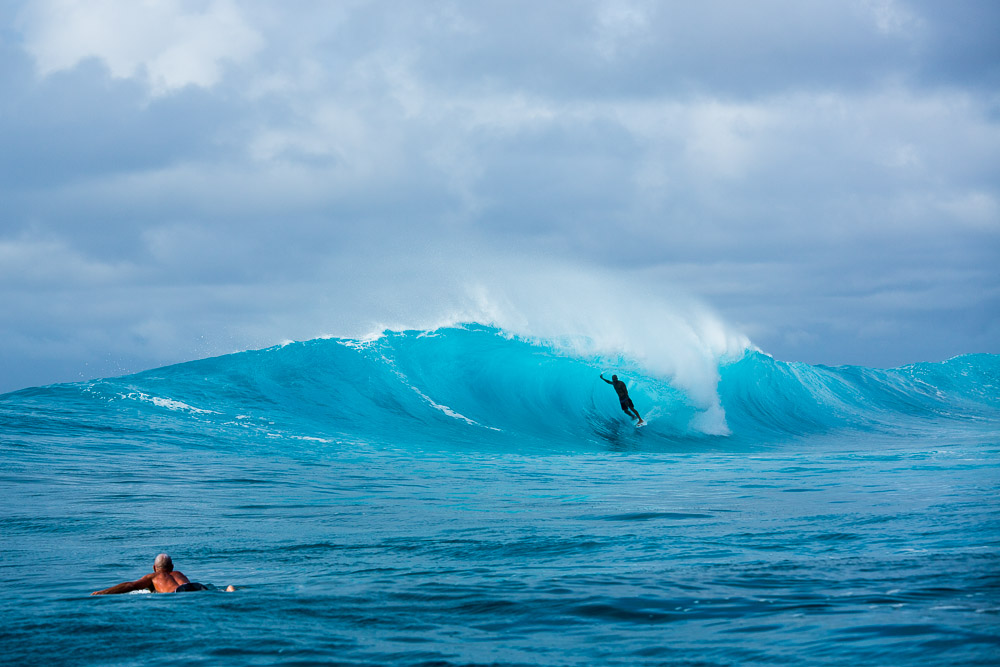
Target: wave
x: 770, y: 396
x: 477, y: 385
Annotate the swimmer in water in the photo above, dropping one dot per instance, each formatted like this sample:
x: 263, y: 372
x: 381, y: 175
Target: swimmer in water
x: 163, y: 579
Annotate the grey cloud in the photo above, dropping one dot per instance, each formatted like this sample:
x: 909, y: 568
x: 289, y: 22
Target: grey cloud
x: 959, y: 46
x: 82, y: 124
x: 720, y: 48
x: 823, y: 174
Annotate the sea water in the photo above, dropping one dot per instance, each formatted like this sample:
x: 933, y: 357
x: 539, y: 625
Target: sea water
x: 465, y: 496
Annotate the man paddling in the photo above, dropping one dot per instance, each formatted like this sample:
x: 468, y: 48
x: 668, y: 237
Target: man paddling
x: 627, y: 406
x: 163, y: 579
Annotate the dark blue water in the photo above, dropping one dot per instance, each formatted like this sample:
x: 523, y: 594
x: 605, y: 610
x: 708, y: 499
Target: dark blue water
x: 470, y: 498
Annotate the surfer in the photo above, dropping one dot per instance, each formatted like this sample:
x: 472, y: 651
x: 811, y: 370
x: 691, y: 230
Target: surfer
x: 163, y: 579
x: 627, y: 405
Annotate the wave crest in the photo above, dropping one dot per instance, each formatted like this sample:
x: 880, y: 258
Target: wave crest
x: 478, y: 385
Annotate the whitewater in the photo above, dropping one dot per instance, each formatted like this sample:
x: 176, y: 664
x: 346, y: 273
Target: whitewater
x: 473, y: 494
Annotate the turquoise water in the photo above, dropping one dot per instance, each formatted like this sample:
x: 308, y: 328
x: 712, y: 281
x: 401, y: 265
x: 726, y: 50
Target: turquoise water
x: 467, y: 497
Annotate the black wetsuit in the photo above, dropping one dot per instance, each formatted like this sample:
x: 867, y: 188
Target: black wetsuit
x: 623, y: 395
x: 627, y: 406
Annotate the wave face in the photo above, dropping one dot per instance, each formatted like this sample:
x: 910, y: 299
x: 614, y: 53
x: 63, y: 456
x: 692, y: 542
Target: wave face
x: 478, y: 386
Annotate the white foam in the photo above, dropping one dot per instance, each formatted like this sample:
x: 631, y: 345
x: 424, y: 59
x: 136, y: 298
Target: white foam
x: 309, y: 438
x: 427, y: 399
x: 168, y: 403
x: 448, y: 411
x: 587, y: 312
x: 358, y: 343
x: 596, y: 314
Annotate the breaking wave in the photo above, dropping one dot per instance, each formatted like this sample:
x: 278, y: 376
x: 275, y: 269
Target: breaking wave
x: 476, y: 385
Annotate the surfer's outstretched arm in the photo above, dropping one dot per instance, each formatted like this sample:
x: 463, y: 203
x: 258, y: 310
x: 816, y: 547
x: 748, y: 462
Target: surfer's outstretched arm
x: 608, y: 381
x: 129, y: 586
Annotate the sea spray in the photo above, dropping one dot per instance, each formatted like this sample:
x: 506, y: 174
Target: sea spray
x: 602, y: 317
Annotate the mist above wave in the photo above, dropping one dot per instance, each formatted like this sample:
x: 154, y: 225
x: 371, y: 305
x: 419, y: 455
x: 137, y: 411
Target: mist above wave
x: 593, y: 313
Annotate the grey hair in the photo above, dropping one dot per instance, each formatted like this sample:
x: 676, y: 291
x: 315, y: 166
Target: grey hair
x: 164, y: 563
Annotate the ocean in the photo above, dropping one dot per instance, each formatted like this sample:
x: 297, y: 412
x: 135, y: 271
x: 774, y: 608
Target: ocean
x: 466, y: 496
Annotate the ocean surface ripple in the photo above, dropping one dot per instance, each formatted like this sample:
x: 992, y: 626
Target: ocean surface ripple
x: 466, y: 496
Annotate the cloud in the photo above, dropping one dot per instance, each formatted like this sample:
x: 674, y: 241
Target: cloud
x: 51, y: 263
x: 169, y: 44
x: 185, y: 178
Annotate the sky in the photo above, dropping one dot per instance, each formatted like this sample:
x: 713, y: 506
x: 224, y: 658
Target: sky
x: 186, y: 178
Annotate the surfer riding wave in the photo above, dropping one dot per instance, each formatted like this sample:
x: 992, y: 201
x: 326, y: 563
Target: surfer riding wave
x: 627, y: 406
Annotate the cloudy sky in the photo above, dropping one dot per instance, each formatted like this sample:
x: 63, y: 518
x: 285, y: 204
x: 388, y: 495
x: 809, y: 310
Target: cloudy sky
x: 183, y: 178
